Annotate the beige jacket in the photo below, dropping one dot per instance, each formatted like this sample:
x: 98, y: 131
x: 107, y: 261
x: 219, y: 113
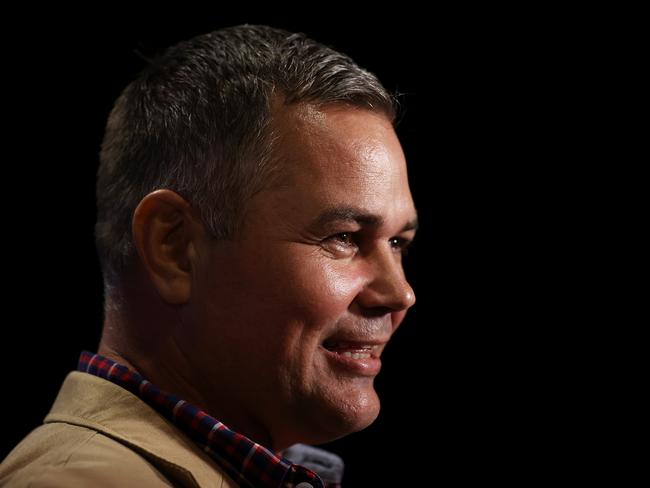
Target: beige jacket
x: 99, y: 434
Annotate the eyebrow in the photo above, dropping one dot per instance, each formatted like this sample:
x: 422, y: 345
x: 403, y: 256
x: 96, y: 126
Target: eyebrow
x: 359, y: 216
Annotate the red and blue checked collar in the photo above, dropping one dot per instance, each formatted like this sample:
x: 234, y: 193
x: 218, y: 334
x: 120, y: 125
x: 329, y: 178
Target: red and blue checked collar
x: 246, y: 462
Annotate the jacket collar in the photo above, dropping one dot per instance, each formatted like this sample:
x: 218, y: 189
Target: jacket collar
x: 89, y: 401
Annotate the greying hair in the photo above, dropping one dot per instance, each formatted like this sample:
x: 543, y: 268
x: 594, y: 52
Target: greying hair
x: 198, y: 121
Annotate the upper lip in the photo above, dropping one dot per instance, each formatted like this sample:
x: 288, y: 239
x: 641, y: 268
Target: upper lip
x: 355, y: 341
x: 377, y: 344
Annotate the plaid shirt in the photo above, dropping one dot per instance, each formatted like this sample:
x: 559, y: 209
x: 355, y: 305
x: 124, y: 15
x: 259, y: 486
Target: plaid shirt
x: 246, y: 462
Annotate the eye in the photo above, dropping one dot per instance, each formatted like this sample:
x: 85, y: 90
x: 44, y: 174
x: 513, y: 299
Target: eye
x: 344, y: 238
x: 341, y: 244
x: 400, y: 244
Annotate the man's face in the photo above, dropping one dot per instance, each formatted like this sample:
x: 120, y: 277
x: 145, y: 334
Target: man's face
x: 292, y: 316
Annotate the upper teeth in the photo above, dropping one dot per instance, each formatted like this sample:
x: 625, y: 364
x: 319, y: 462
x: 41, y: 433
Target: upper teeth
x: 356, y: 355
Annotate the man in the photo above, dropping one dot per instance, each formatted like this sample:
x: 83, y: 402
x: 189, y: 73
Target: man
x: 253, y: 208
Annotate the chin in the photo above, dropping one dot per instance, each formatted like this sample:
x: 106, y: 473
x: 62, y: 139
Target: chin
x: 365, y: 418
x: 344, y: 417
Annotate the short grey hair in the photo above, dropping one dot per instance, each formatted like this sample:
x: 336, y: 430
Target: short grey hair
x: 198, y: 119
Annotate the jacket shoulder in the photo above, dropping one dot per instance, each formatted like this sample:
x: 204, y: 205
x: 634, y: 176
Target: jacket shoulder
x: 65, y: 455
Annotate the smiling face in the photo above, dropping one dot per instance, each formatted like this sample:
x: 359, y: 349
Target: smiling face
x: 290, y: 319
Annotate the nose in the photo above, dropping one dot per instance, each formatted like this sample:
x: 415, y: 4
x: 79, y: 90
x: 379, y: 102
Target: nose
x: 386, y: 290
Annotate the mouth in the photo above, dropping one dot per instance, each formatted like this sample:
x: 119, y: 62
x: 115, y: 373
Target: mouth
x: 354, y: 350
x: 358, y: 358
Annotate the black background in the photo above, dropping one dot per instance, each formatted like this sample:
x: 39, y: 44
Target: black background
x: 465, y: 383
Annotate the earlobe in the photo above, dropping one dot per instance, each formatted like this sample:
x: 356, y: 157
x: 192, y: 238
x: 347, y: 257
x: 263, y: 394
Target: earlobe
x: 164, y: 236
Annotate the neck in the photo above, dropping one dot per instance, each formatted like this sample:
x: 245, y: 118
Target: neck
x: 165, y: 364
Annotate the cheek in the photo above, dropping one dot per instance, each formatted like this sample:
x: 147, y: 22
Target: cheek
x: 325, y: 288
x: 344, y: 284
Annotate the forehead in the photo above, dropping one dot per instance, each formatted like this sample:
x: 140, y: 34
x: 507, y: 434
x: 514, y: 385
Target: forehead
x: 340, y: 155
x: 332, y: 161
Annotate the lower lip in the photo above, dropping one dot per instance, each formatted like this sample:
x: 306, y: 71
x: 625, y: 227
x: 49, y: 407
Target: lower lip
x: 361, y: 367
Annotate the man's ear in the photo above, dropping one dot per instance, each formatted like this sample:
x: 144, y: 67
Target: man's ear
x: 164, y: 233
